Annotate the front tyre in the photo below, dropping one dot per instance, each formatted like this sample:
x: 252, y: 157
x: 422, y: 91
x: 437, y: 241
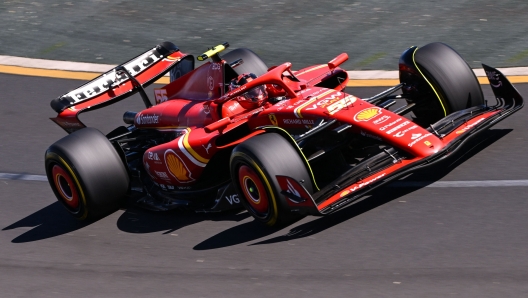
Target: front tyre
x: 440, y: 82
x: 255, y: 164
x: 86, y: 174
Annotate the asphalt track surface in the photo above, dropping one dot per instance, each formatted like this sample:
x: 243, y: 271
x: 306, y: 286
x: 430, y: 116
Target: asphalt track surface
x: 398, y: 242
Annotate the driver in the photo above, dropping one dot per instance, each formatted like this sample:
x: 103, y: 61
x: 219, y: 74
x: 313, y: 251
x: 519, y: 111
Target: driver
x: 253, y: 98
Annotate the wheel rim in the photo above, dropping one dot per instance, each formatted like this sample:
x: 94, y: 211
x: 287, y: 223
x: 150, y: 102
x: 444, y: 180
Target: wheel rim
x: 254, y: 190
x: 65, y: 186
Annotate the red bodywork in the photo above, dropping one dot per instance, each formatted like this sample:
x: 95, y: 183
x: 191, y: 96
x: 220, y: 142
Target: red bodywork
x: 198, y: 107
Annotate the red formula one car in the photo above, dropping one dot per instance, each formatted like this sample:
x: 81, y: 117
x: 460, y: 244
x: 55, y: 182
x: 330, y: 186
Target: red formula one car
x: 282, y: 143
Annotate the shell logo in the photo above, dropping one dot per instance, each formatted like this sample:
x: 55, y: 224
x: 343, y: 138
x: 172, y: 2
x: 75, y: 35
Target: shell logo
x: 177, y: 168
x: 344, y: 193
x: 367, y: 114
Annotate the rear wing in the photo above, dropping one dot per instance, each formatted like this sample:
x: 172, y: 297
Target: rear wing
x: 116, y: 84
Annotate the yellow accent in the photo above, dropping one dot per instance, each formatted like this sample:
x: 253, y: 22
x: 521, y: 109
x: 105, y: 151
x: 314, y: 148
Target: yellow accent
x: 78, y: 186
x: 439, y: 99
x: 163, y: 81
x: 88, y: 76
x: 211, y: 52
x: 311, y: 69
x: 273, y: 220
x: 190, y: 149
x: 297, y: 110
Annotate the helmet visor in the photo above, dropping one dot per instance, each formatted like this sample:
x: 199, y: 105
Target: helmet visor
x: 256, y: 94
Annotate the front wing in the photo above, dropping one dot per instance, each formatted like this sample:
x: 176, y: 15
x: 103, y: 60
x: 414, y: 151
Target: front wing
x: 454, y: 130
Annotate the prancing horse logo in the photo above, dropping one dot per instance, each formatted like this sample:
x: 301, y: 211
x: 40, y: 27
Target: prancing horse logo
x: 273, y: 119
x: 207, y: 148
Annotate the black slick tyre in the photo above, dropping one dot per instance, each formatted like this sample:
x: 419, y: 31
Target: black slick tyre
x: 453, y: 85
x: 254, y: 166
x: 252, y: 62
x: 86, y: 174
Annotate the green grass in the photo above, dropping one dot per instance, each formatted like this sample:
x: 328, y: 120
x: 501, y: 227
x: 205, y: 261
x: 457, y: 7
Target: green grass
x: 520, y: 56
x: 52, y: 48
x: 370, y: 59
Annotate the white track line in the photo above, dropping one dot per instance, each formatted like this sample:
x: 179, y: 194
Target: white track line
x: 100, y: 68
x: 437, y: 184
x: 12, y: 176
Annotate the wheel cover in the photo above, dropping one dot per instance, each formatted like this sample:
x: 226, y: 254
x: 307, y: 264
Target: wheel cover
x: 65, y: 186
x: 254, y: 190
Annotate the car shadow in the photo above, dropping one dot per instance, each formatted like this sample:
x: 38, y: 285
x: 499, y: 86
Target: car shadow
x: 247, y: 232
x: 138, y: 220
x: 48, y: 222
x: 53, y: 220
x: 242, y: 233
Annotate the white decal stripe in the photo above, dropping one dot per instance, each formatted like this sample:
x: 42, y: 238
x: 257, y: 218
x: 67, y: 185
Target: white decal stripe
x: 441, y: 184
x: 189, y: 156
x: 297, y: 111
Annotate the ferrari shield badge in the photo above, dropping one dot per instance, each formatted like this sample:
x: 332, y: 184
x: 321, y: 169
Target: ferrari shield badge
x: 273, y: 119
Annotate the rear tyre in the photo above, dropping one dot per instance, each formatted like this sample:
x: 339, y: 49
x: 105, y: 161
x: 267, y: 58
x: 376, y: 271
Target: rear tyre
x: 86, y: 174
x: 254, y: 166
x: 252, y: 62
x: 445, y: 83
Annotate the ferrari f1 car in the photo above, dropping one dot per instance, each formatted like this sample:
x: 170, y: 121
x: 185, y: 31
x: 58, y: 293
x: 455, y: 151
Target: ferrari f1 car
x: 305, y: 147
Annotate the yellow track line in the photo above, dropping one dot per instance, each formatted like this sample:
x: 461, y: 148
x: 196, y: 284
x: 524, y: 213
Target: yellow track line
x: 59, y: 74
x: 373, y: 83
x: 86, y: 76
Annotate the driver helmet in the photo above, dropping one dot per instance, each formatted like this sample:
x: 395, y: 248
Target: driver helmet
x: 252, y: 98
